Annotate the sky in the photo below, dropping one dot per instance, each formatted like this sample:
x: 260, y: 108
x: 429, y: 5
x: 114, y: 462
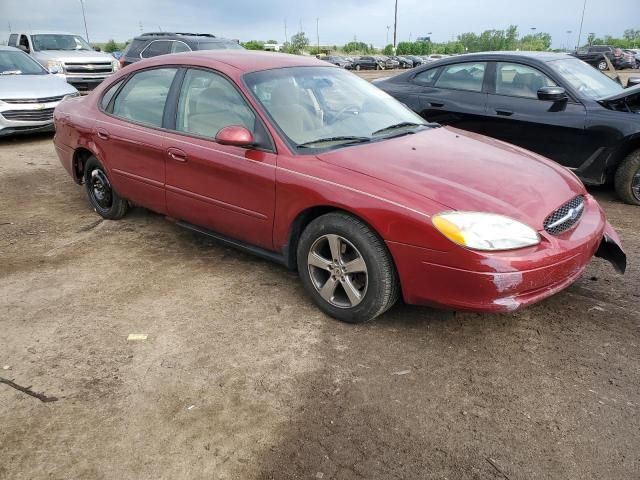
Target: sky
x: 340, y: 21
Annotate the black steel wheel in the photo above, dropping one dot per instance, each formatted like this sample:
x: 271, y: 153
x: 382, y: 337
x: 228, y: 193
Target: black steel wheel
x: 102, y: 197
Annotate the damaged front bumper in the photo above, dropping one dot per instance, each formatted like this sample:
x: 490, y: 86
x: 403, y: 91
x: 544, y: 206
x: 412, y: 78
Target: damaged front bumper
x: 610, y: 249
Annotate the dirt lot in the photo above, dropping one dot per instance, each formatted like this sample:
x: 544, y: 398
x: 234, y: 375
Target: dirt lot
x: 240, y: 376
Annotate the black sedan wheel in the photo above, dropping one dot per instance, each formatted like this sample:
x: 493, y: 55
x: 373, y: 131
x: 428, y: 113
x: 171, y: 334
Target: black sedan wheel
x: 346, y: 268
x: 627, y: 179
x: 105, y: 201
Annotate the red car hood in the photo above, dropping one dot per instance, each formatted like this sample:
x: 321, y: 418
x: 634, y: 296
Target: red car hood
x: 465, y: 171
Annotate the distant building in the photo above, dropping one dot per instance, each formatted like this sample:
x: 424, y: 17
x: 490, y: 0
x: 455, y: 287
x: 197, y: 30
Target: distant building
x: 273, y: 47
x: 423, y: 39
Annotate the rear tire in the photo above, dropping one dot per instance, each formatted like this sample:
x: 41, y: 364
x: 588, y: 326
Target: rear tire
x: 358, y: 67
x: 602, y: 65
x: 627, y: 179
x: 346, y: 268
x: 102, y: 197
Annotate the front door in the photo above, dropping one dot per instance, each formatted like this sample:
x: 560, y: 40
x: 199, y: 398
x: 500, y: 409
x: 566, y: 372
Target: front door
x: 515, y: 114
x: 227, y: 189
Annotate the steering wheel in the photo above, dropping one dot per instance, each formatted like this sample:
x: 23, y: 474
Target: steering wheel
x: 348, y: 108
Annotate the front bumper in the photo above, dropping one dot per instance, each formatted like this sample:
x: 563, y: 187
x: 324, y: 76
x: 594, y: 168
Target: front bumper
x: 463, y: 279
x: 85, y: 82
x: 26, y: 117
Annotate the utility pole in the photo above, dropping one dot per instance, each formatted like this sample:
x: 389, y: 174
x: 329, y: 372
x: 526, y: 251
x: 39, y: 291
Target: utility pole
x: 86, y: 32
x: 140, y: 24
x: 584, y: 7
x: 286, y: 38
x: 395, y: 28
x: 388, y: 28
x: 318, y: 33
x: 569, y: 32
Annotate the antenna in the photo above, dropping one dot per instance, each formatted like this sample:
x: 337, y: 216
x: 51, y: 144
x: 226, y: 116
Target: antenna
x: 86, y: 32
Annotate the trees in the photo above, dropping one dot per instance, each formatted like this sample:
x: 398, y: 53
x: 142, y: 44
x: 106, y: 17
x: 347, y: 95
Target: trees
x: 388, y: 50
x: 297, y: 44
x: 356, y: 47
x: 253, y: 45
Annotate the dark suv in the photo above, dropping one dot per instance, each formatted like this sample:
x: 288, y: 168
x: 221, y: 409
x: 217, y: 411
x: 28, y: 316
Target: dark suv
x: 153, y: 44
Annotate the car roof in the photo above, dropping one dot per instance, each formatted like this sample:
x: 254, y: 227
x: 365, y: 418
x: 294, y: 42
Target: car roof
x: 243, y: 60
x: 50, y: 32
x: 514, y: 55
x: 196, y: 37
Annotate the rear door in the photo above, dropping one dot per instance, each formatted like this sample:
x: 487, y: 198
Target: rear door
x: 130, y: 138
x: 454, y: 95
x: 516, y: 115
x: 227, y: 189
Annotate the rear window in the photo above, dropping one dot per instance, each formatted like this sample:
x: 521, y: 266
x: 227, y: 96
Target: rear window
x: 134, y: 48
x: 13, y: 39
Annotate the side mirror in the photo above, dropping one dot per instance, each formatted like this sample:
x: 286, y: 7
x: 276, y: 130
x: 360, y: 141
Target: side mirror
x: 97, y: 49
x: 555, y: 94
x: 633, y: 81
x: 235, y: 135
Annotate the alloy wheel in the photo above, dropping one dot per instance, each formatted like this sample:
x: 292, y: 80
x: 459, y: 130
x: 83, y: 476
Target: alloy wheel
x: 337, y: 271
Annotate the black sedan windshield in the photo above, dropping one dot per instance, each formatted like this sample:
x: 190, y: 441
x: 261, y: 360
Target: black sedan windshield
x: 585, y: 79
x: 321, y: 107
x: 19, y: 63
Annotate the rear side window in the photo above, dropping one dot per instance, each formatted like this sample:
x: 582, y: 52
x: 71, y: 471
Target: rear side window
x: 209, y: 102
x: 13, y: 39
x: 463, y: 76
x: 157, y: 47
x: 134, y: 48
x: 143, y: 97
x: 178, y: 47
x: 106, y: 98
x: 427, y: 77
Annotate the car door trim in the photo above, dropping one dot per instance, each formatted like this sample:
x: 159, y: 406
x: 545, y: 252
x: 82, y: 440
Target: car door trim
x: 217, y: 203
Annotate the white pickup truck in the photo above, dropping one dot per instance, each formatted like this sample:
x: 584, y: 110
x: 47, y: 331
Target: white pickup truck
x: 67, y: 55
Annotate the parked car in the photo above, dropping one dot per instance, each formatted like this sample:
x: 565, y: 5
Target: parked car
x: 308, y: 165
x: 549, y: 103
x: 28, y: 93
x: 67, y: 55
x: 403, y: 62
x: 152, y: 44
x: 635, y: 53
x: 338, y: 61
x: 417, y: 61
x: 388, y: 62
x: 368, y: 63
x: 595, y: 55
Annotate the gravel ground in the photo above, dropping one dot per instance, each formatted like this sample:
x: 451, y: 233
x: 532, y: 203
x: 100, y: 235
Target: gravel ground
x: 240, y: 377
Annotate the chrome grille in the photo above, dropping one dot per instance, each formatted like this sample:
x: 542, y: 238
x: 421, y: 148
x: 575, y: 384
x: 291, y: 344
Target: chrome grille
x: 85, y: 68
x: 32, y: 100
x: 565, y: 217
x: 29, y: 115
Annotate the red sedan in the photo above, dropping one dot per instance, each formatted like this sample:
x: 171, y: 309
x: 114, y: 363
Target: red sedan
x: 311, y: 166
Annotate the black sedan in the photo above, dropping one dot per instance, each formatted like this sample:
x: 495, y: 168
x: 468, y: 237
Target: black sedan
x: 550, y: 103
x: 338, y: 61
x: 368, y: 63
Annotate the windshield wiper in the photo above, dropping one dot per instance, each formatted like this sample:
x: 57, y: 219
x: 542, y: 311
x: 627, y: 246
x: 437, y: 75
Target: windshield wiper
x: 397, y: 126
x: 11, y: 72
x: 345, y: 139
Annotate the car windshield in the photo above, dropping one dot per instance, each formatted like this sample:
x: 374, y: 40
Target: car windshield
x: 54, y: 41
x: 585, y: 79
x: 19, y: 63
x: 326, y: 107
x: 219, y: 46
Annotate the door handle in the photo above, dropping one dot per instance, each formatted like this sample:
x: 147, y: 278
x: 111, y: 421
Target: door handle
x: 177, y: 155
x: 436, y: 104
x: 504, y: 113
x: 103, y: 134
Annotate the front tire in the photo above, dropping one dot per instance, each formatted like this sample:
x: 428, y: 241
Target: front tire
x: 602, y: 65
x: 358, y: 67
x: 102, y: 197
x: 346, y: 268
x: 627, y: 179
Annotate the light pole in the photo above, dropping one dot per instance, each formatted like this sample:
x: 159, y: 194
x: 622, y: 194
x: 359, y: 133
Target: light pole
x: 584, y: 7
x: 395, y: 28
x: 318, y: 33
x: 388, y: 28
x: 569, y: 32
x: 86, y: 32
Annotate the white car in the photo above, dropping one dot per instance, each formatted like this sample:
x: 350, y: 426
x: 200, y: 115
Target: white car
x: 28, y: 93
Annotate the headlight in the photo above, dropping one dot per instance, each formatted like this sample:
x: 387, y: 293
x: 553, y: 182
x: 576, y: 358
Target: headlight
x: 485, y: 231
x: 115, y: 65
x: 55, y: 66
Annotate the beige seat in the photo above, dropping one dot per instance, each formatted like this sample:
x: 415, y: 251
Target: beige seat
x: 213, y: 110
x: 286, y: 109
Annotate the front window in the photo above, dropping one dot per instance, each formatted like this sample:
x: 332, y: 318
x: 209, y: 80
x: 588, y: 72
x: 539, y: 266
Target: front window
x: 325, y: 107
x: 50, y: 41
x: 516, y: 80
x: 585, y: 79
x: 19, y: 63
